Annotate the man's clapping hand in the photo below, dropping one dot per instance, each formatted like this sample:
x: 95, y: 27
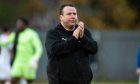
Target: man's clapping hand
x: 79, y: 31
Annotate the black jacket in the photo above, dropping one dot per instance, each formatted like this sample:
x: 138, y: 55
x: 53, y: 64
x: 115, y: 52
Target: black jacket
x: 68, y: 58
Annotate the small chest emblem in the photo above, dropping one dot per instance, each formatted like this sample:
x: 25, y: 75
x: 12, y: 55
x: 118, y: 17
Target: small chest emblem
x: 64, y: 39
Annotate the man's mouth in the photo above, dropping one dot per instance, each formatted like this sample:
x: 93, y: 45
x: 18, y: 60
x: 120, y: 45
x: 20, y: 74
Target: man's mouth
x: 72, y: 21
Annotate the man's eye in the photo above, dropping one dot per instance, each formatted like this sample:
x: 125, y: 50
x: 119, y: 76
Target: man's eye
x: 69, y: 14
x: 74, y: 13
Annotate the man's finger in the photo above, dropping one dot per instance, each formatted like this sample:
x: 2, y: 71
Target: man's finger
x: 81, y: 29
x: 81, y: 23
x: 81, y: 26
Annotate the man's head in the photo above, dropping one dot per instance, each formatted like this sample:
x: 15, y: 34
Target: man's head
x: 68, y: 15
x: 5, y: 29
x: 22, y: 23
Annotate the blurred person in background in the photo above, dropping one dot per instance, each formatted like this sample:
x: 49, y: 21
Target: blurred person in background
x: 27, y: 49
x: 138, y: 66
x: 68, y: 47
x: 5, y: 57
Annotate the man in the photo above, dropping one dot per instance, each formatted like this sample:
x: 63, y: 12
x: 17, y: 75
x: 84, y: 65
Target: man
x: 27, y: 50
x: 5, y: 57
x: 138, y: 66
x: 68, y: 46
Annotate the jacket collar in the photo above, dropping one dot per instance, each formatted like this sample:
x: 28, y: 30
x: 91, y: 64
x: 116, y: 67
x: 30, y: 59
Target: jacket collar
x: 60, y: 26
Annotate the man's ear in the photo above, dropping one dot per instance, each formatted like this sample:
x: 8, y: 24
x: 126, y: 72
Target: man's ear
x: 61, y: 17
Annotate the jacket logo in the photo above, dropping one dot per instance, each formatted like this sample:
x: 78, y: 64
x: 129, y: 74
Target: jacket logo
x: 64, y: 39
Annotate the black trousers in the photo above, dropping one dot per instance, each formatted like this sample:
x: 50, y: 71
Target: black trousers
x: 71, y: 83
x: 52, y: 81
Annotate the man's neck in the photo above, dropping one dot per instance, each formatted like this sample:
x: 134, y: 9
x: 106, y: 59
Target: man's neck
x: 7, y: 33
x: 22, y: 29
x: 67, y: 28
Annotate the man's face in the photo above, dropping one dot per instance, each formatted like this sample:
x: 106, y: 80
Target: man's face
x: 69, y: 16
x: 20, y: 24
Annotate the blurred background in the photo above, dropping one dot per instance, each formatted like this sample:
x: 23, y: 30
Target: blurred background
x: 115, y: 25
x: 97, y: 14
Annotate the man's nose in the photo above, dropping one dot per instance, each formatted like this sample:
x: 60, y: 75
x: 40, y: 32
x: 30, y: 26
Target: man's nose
x: 73, y: 16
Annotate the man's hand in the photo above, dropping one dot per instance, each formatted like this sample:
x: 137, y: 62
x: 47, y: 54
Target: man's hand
x: 76, y: 33
x: 34, y: 62
x: 79, y: 32
x: 138, y: 71
x: 81, y: 28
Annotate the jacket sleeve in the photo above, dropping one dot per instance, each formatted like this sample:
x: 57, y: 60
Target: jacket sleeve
x: 38, y: 49
x: 10, y: 40
x: 56, y: 46
x: 88, y: 43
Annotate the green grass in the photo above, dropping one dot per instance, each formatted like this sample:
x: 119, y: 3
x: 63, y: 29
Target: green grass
x: 116, y: 82
x: 99, y: 83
